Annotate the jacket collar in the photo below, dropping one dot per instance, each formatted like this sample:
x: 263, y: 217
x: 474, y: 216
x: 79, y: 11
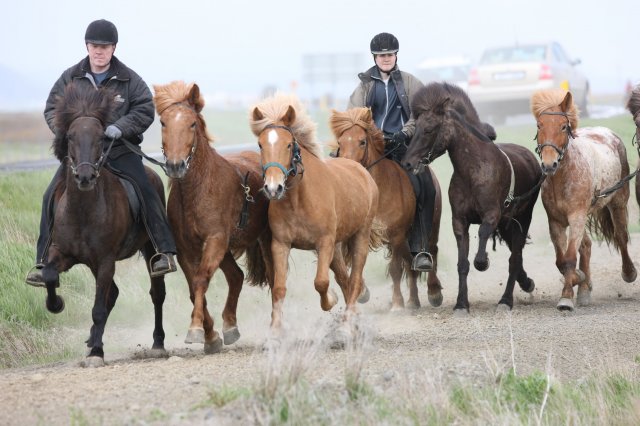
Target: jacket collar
x: 373, y: 73
x: 117, y: 69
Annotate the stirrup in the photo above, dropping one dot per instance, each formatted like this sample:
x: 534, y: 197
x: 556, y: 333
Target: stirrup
x: 156, y: 257
x: 32, y: 272
x: 415, y: 258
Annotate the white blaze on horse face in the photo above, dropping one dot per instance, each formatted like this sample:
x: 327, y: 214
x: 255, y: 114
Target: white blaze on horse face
x: 272, y: 137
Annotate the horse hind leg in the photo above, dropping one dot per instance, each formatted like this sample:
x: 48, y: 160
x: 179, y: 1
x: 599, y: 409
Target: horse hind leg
x: 235, y: 278
x: 400, y: 262
x: 340, y: 271
x: 105, y: 299
x: 619, y: 219
x: 434, y: 287
x: 328, y: 297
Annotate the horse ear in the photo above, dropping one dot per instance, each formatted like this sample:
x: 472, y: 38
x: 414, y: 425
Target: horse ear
x: 289, y: 116
x: 442, y: 106
x: 566, y: 103
x: 367, y: 116
x: 257, y: 114
x: 194, y: 98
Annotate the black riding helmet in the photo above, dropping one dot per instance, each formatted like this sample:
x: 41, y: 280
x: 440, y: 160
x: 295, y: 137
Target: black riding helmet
x: 101, y: 32
x: 384, y: 43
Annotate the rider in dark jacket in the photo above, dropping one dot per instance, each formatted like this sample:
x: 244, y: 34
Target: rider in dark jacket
x: 388, y: 92
x: 133, y: 116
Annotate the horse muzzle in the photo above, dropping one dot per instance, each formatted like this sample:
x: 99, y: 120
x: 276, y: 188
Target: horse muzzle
x: 85, y: 183
x: 177, y: 169
x: 549, y: 169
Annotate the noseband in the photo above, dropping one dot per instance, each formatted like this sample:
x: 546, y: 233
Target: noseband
x: 296, y: 158
x: 187, y: 161
x: 562, y: 151
x: 99, y: 163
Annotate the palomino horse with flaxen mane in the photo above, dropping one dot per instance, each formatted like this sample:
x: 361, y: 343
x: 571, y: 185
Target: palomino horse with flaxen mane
x: 633, y: 105
x: 315, y: 204
x: 93, y: 223
x: 359, y: 139
x: 214, y: 209
x: 494, y: 185
x: 581, y: 166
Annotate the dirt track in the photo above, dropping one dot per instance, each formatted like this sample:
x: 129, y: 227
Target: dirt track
x: 131, y: 388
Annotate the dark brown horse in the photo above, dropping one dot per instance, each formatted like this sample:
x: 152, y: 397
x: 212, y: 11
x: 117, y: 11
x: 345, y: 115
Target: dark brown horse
x: 214, y: 209
x: 326, y: 206
x: 633, y: 105
x: 581, y: 165
x: 360, y: 140
x: 93, y: 223
x: 486, y: 178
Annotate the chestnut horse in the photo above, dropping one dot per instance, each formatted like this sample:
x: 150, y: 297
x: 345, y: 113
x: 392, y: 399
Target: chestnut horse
x: 580, y: 165
x: 360, y: 140
x: 214, y: 209
x: 494, y: 185
x: 633, y: 105
x: 93, y: 224
x: 315, y: 204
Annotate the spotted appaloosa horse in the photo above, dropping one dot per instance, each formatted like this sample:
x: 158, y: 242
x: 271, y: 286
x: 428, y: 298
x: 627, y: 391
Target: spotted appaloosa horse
x: 580, y: 164
x: 358, y: 139
x: 326, y: 206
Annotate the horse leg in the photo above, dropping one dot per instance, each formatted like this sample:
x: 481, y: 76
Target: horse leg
x: 434, y: 287
x: 584, y: 283
x: 340, y: 271
x: 567, y: 261
x: 619, y: 217
x: 235, y: 278
x: 360, y: 250
x: 201, y: 327
x: 488, y: 226
x: 397, y: 265
x: 158, y: 294
x: 328, y: 298
x: 461, y: 233
x: 51, y: 276
x: 105, y: 299
x: 515, y: 241
x: 280, y: 252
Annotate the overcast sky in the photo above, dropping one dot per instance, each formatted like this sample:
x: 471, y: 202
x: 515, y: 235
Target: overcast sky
x: 239, y: 47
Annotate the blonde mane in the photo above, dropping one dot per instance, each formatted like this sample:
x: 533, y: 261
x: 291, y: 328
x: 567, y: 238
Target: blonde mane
x: 274, y: 108
x: 543, y: 100
x: 178, y: 92
x: 340, y: 122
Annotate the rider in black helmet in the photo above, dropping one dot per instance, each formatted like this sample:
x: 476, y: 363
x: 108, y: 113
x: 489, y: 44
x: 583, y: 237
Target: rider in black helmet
x: 132, y: 118
x: 388, y: 92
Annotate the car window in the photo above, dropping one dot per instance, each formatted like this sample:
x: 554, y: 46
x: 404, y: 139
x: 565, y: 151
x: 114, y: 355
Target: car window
x: 533, y: 53
x: 445, y: 74
x: 559, y: 54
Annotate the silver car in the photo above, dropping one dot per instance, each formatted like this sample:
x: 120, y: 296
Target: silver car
x: 506, y: 77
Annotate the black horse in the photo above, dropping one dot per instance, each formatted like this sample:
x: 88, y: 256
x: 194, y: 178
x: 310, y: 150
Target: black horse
x: 494, y: 185
x: 94, y: 224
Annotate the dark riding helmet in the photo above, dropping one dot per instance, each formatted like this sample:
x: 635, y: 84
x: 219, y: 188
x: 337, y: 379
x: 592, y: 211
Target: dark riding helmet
x: 101, y: 32
x: 384, y: 43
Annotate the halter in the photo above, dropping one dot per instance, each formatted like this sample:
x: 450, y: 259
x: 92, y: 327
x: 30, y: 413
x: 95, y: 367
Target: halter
x: 296, y: 158
x: 194, y: 144
x: 562, y: 151
x: 101, y: 160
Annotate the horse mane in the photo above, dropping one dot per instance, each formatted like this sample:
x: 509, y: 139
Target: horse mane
x: 633, y: 104
x: 178, y: 92
x: 340, y: 122
x: 274, y: 108
x: 542, y: 100
x: 79, y: 101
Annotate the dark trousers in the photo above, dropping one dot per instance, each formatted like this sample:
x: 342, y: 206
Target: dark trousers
x: 127, y: 166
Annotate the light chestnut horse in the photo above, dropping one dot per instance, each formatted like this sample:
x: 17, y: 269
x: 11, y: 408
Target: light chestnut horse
x: 315, y: 204
x: 215, y: 211
x: 580, y: 164
x: 358, y: 139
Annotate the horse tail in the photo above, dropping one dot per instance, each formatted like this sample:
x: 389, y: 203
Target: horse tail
x: 377, y: 237
x: 258, y: 274
x: 600, y: 224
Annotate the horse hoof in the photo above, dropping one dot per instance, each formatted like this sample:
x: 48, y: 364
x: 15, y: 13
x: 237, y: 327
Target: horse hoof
x: 195, y: 335
x: 528, y: 286
x: 565, y: 305
x: 629, y: 278
x: 213, y: 347
x: 272, y: 343
x: 413, y: 304
x: 230, y: 335
x: 435, y: 300
x: 502, y: 308
x: 396, y: 308
x: 584, y: 297
x: 93, y: 362
x: 157, y: 353
x: 460, y: 313
x: 57, y: 306
x: 365, y: 295
x: 332, y: 299
x: 341, y: 337
x: 481, y: 265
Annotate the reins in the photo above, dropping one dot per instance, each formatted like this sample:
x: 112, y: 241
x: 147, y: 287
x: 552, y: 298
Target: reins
x: 621, y: 182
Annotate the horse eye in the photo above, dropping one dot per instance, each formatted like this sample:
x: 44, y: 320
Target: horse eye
x: 193, y: 126
x: 363, y: 142
x: 162, y: 123
x: 563, y: 127
x: 260, y: 146
x: 538, y: 126
x: 289, y: 146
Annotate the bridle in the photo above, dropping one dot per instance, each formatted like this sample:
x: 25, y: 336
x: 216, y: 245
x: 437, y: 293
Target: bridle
x: 296, y: 158
x: 194, y: 143
x: 101, y: 160
x: 569, y: 131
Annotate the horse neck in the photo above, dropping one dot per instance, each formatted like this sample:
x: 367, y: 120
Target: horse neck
x: 301, y: 187
x: 205, y: 162
x: 464, y: 148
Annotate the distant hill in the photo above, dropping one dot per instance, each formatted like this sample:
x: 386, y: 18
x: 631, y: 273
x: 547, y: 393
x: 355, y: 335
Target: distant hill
x: 19, y: 92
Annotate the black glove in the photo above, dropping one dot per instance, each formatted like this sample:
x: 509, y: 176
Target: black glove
x: 399, y: 138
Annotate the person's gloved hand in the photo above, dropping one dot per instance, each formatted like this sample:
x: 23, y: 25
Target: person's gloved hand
x: 399, y: 138
x: 113, y: 132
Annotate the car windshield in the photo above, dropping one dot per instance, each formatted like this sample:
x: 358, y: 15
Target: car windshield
x: 514, y: 54
x: 444, y: 74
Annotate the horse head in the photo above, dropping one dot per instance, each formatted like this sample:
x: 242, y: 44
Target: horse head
x: 556, y: 118
x: 81, y: 114
x: 179, y: 106
x: 633, y: 105
x: 357, y: 136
